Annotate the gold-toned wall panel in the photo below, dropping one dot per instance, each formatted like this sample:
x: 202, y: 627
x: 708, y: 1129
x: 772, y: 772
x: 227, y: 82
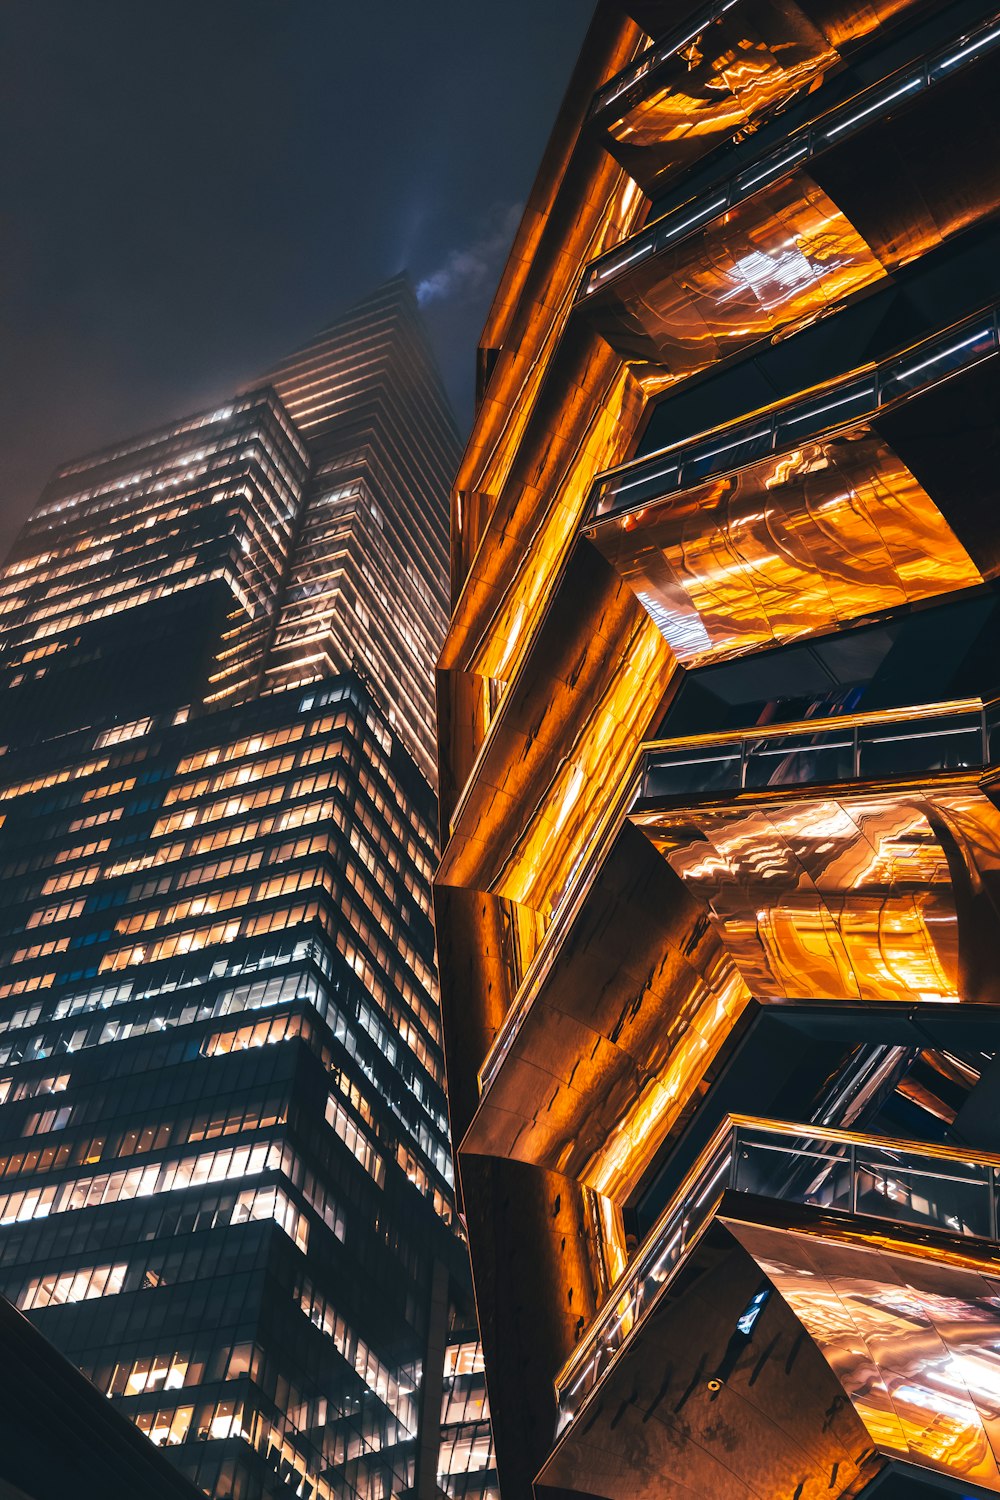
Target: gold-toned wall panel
x: 912, y: 1338
x: 786, y: 255
x: 736, y: 71
x: 618, y: 1035
x: 546, y: 504
x: 565, y: 737
x: 581, y: 206
x: 531, y: 531
x: 473, y: 969
x: 613, y: 40
x: 852, y: 895
x: 796, y: 544
x: 776, y: 1424
x: 538, y: 1280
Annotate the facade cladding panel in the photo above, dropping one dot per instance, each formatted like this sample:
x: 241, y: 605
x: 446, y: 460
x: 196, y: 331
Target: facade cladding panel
x: 719, y: 738
x: 226, y: 1188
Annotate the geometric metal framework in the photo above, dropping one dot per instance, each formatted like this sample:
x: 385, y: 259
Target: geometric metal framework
x: 718, y: 912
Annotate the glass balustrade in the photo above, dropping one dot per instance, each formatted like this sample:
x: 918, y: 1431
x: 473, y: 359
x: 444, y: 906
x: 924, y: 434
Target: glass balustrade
x: 932, y: 739
x: 839, y: 404
x: 800, y: 147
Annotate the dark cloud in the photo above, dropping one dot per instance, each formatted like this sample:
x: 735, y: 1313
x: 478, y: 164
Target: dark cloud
x: 469, y: 272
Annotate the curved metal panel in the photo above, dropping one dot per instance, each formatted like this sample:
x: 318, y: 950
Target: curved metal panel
x: 737, y: 69
x: 913, y: 1340
x: 798, y: 543
x: 618, y: 1033
x: 691, y: 1409
x: 786, y: 255
x: 848, y: 896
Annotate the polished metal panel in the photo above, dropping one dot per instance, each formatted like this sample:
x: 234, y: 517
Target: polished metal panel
x: 914, y: 1340
x: 692, y: 1408
x: 786, y: 255
x: 894, y: 1181
x: 529, y: 812
x: 853, y: 894
x: 801, y: 542
x: 601, y: 1055
x: 802, y: 145
x: 687, y: 100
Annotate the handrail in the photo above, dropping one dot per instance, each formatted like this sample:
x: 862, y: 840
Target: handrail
x: 734, y: 757
x: 869, y: 1141
x: 824, y: 409
x: 694, y: 1204
x: 943, y: 709
x: 799, y: 146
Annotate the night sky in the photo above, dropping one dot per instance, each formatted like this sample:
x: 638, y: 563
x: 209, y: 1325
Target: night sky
x: 191, y: 188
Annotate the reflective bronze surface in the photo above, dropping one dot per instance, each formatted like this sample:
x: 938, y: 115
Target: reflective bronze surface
x: 806, y: 541
x: 530, y: 810
x: 688, y: 1409
x: 735, y: 71
x: 787, y: 255
x: 905, y: 1321
x: 913, y: 1340
x: 853, y: 895
x: 607, y: 975
x: 618, y: 1028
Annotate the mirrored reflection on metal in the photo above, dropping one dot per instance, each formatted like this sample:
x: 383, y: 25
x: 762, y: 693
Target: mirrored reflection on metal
x: 890, y: 1180
x: 629, y: 85
x: 914, y: 1340
x: 835, y: 406
x: 654, y: 57
x: 548, y: 952
x: 722, y: 80
x: 592, y: 1090
x: 793, y: 545
x: 853, y: 894
x: 959, y: 735
x: 801, y: 146
x: 736, y: 275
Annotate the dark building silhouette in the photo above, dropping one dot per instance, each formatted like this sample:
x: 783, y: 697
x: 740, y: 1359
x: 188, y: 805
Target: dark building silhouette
x: 226, y: 1180
x: 719, y: 902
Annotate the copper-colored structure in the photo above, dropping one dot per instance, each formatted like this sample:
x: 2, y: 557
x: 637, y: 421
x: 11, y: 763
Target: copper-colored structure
x: 719, y: 709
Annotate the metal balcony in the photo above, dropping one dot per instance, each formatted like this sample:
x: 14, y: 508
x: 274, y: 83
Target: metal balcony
x: 848, y: 858
x: 840, y: 204
x: 802, y: 517
x: 960, y: 735
x: 896, y: 1182
x: 723, y: 69
x: 800, y: 147
x: 829, y: 408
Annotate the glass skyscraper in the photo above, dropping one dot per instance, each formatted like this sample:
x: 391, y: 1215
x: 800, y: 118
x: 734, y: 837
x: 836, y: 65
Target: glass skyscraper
x: 226, y: 1184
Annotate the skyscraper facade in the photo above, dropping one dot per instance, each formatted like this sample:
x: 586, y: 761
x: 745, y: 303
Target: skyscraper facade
x: 227, y: 1189
x: 718, y: 904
